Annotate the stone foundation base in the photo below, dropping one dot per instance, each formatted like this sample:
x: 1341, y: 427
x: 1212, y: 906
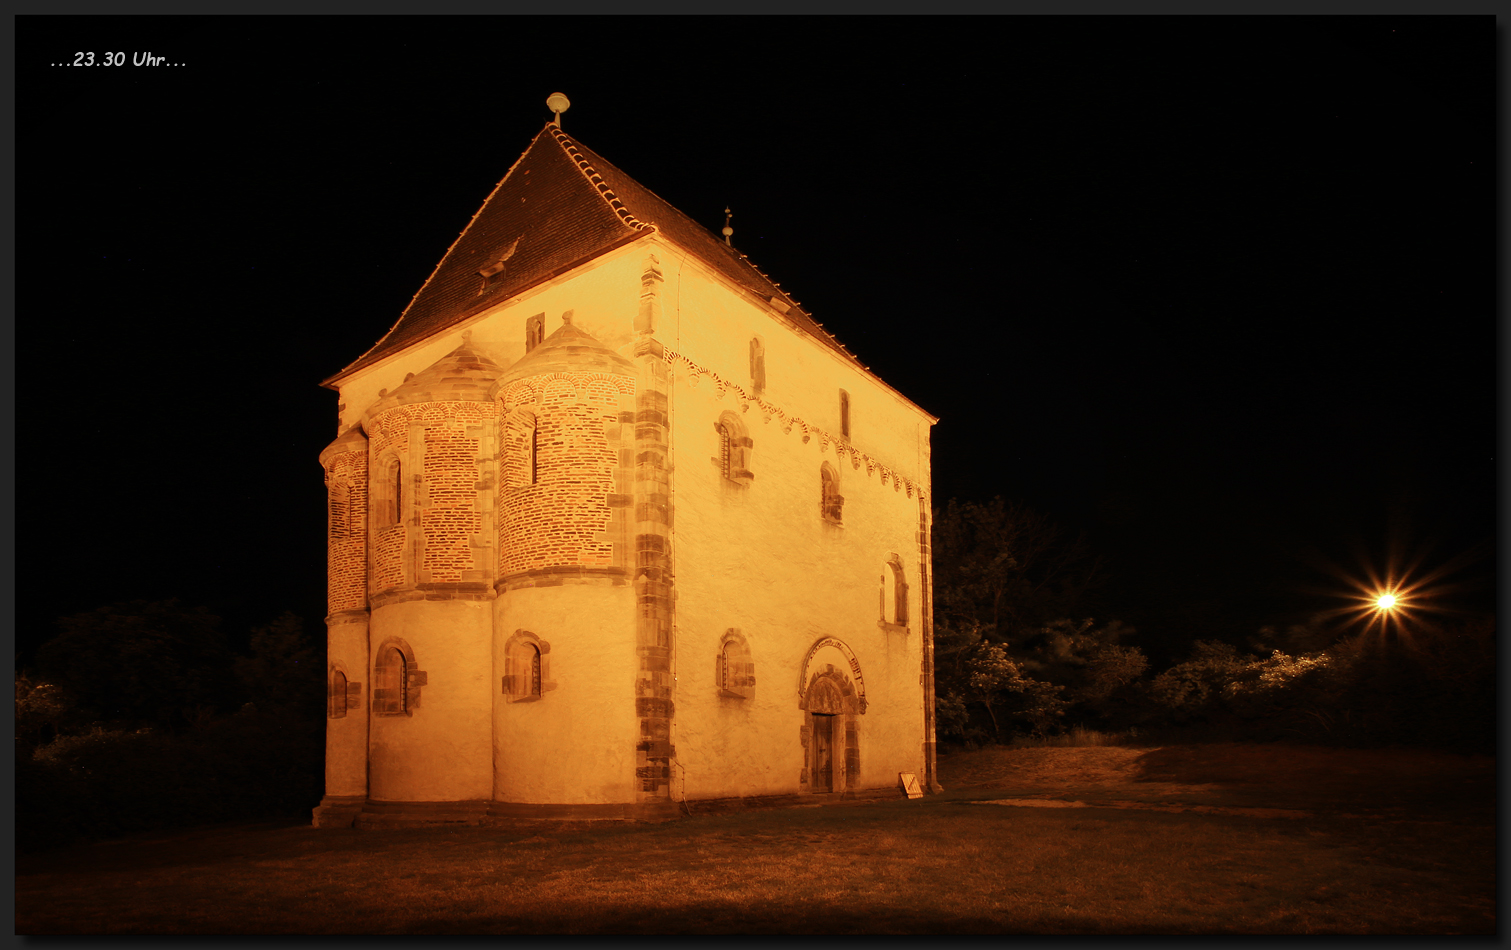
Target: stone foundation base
x: 338, y: 811
x: 707, y: 806
x: 630, y: 811
x: 348, y: 812
x: 418, y: 814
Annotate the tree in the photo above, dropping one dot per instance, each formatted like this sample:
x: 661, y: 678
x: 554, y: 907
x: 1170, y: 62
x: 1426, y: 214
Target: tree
x: 996, y: 680
x: 1008, y: 569
x: 159, y: 662
x: 284, y: 671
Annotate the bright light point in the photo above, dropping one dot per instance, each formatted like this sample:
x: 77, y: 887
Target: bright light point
x: 1385, y: 601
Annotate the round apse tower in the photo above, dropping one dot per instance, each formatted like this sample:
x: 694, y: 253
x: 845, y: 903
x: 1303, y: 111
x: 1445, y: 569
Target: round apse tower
x: 431, y: 470
x: 566, y: 729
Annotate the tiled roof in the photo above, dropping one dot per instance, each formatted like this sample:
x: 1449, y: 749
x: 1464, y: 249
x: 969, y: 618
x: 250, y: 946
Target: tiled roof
x: 560, y: 206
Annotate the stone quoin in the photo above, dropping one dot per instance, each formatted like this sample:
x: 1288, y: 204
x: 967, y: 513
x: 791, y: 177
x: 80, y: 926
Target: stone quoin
x: 616, y: 529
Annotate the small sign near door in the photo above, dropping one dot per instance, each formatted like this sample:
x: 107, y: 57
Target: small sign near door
x: 909, y: 783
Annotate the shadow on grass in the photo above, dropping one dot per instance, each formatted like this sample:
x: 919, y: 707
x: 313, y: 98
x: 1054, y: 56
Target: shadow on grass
x: 934, y: 865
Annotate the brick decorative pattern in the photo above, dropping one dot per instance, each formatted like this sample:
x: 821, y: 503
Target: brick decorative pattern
x: 346, y: 539
x: 444, y: 532
x: 456, y: 498
x: 573, y: 511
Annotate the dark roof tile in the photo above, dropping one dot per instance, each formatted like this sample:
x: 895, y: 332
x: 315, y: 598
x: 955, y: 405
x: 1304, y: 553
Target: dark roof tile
x: 560, y: 206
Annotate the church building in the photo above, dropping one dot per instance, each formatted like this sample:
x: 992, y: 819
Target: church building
x: 615, y: 528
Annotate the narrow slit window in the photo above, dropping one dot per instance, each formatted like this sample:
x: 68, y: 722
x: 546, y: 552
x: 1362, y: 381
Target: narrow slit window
x: 844, y: 413
x: 398, y: 494
x: 535, y: 453
x: 757, y: 365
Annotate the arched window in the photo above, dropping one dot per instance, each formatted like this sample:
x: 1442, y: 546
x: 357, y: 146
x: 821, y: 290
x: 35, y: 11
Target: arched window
x: 724, y: 438
x: 844, y: 413
x: 894, y: 593
x: 337, y: 695
x: 338, y: 496
x: 388, y: 489
x: 532, y: 659
x: 389, y: 690
x: 534, y: 452
x: 757, y: 365
x: 735, y: 445
x: 535, y: 331
x: 831, y: 503
x: 396, y: 680
x: 521, y: 448
x: 527, y: 674
x: 398, y: 493
x: 734, y: 672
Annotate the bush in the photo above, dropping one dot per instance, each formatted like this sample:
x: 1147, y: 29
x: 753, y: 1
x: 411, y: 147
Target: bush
x: 111, y: 782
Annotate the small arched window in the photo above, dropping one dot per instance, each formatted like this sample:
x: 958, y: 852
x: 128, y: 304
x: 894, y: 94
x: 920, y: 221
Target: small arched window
x: 757, y: 365
x: 831, y: 503
x: 844, y: 413
x: 735, y: 445
x: 527, y: 674
x: 723, y: 431
x: 534, y: 451
x: 396, y: 681
x: 390, y: 692
x: 532, y: 659
x: 734, y: 672
x: 338, y: 695
x: 388, y: 505
x: 535, y: 331
x: 894, y: 593
x: 338, y: 497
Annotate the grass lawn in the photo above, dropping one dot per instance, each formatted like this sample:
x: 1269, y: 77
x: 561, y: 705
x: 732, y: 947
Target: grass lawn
x: 1192, y: 839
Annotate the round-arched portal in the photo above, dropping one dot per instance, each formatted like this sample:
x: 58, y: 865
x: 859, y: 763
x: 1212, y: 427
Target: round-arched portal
x: 831, y: 696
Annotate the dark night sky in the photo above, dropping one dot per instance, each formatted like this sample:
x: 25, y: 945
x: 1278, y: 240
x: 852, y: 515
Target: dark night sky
x: 1218, y: 291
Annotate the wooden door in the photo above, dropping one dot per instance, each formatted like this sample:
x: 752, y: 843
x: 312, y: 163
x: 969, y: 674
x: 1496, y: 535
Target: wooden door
x: 823, y: 753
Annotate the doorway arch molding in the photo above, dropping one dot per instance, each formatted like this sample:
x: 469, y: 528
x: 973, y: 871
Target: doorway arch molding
x: 807, y: 673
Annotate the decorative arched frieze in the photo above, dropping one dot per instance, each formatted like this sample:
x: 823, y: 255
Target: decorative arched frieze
x: 693, y: 374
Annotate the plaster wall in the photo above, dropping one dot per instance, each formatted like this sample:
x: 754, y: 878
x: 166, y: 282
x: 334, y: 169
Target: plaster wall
x: 712, y: 324
x: 761, y: 558
x: 440, y: 750
x: 346, y: 737
x: 576, y: 743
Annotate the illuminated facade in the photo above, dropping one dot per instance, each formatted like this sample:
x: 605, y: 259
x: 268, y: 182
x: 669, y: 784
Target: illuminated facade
x: 614, y: 525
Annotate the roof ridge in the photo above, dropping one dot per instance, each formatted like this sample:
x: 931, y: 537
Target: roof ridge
x: 569, y: 146
x: 444, y: 257
x: 574, y: 152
